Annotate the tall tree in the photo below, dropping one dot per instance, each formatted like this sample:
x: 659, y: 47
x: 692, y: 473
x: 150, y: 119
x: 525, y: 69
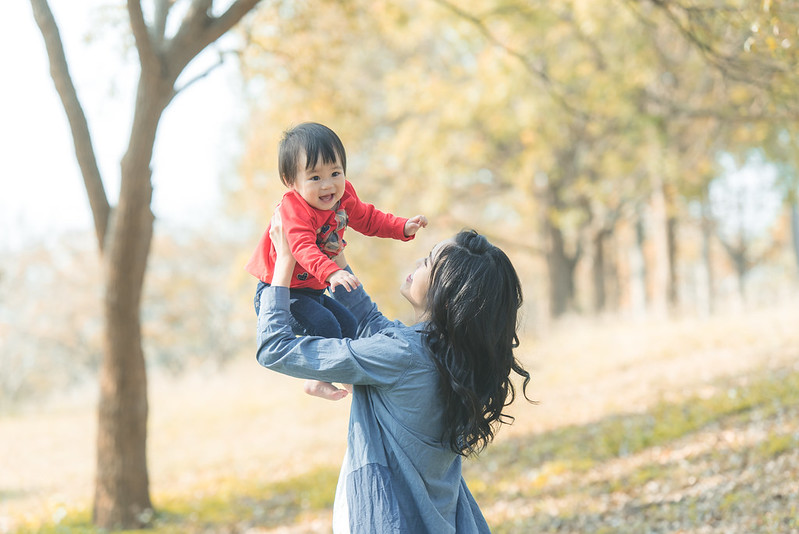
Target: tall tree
x: 124, y: 232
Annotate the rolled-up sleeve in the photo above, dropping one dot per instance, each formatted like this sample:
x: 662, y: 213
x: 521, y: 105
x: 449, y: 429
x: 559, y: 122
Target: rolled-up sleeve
x: 377, y: 360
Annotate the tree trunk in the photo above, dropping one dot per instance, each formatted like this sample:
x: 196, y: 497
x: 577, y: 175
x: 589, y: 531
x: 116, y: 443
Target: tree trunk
x: 561, y: 274
x: 795, y: 230
x: 672, y: 223
x: 707, y: 256
x: 739, y: 256
x: 640, y: 271
x: 658, y: 258
x: 740, y: 260
x: 122, y: 486
x: 122, y: 497
x: 559, y: 264
x: 598, y: 272
x: 612, y: 278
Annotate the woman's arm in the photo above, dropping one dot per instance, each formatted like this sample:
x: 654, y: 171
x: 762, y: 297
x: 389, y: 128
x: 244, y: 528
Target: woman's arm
x: 370, y: 319
x: 379, y: 360
x: 284, y: 263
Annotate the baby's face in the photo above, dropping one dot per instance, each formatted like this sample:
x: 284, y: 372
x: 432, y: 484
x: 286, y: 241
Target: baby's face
x: 321, y: 187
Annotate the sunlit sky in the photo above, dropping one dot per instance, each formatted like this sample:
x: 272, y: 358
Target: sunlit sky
x: 41, y: 190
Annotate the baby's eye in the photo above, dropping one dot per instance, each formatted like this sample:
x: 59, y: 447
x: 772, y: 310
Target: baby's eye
x: 336, y: 173
x: 314, y: 178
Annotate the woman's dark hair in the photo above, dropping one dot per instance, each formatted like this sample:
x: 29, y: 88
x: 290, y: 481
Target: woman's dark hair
x: 315, y: 140
x: 472, y: 308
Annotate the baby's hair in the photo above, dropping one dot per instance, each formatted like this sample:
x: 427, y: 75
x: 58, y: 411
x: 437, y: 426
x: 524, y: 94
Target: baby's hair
x: 314, y: 140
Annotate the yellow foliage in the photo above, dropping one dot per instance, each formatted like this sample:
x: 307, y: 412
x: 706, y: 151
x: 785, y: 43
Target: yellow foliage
x: 431, y: 98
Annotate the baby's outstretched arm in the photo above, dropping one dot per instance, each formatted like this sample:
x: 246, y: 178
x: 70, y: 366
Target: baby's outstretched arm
x: 413, y: 224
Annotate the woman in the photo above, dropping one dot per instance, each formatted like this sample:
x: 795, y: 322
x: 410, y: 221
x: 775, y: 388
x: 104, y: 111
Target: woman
x: 423, y: 396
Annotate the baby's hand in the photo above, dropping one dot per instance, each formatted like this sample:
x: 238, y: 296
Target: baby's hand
x: 413, y: 224
x: 343, y: 278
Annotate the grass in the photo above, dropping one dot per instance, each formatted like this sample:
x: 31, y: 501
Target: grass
x: 558, y: 464
x: 620, y: 456
x: 684, y: 426
x: 776, y: 444
x: 237, y: 507
x: 580, y: 448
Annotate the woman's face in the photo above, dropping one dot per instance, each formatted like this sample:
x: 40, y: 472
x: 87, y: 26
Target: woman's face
x: 416, y: 285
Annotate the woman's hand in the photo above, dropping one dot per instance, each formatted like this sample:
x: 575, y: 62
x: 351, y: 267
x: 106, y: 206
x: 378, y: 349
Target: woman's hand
x: 285, y: 262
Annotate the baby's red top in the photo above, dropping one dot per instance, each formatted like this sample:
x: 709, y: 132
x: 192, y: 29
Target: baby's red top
x: 315, y: 236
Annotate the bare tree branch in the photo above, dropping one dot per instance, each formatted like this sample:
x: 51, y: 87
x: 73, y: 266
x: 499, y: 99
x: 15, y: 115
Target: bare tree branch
x: 766, y: 104
x: 529, y: 65
x: 200, y: 28
x: 147, y: 55
x: 202, y: 75
x: 162, y: 8
x: 673, y: 108
x: 84, y: 149
x: 228, y: 19
x: 196, y: 19
x: 732, y: 67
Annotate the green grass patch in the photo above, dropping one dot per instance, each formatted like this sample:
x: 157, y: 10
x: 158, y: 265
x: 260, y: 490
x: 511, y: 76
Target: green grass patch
x: 65, y: 522
x: 241, y: 504
x: 639, y: 477
x: 775, y: 444
x: 578, y: 449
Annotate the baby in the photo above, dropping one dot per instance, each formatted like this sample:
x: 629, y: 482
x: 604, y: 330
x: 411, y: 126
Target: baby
x: 319, y: 205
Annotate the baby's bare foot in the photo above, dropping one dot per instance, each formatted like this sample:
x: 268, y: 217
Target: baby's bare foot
x: 324, y: 390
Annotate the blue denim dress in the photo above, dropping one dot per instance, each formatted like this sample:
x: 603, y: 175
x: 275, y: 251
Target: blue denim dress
x: 397, y: 475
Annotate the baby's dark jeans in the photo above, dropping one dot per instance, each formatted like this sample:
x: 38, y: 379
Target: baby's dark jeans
x: 315, y: 314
